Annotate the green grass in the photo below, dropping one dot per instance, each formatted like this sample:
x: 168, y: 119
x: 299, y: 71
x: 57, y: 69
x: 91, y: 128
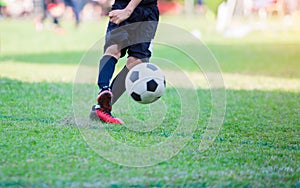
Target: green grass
x: 41, y: 146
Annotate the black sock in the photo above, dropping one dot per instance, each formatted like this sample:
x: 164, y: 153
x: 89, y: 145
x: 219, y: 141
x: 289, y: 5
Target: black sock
x: 106, y: 70
x: 118, y: 84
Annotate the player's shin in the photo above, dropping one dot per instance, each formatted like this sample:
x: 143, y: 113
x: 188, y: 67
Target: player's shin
x: 118, y: 84
x: 106, y: 70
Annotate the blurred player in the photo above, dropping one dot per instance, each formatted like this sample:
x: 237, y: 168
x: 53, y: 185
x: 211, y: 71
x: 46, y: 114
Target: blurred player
x: 55, y: 9
x: 76, y: 7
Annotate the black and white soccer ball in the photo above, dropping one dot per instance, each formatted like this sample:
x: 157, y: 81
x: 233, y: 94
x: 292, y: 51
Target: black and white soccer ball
x: 145, y: 83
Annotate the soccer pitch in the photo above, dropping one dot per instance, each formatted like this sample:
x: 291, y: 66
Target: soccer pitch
x: 257, y: 145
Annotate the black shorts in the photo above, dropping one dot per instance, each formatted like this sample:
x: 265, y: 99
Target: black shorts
x: 135, y: 34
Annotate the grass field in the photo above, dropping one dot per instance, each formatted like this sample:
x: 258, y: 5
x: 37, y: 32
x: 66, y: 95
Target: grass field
x: 258, y: 144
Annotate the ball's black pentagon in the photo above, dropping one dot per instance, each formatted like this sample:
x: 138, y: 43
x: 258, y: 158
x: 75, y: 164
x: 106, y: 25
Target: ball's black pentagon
x: 136, y: 96
x: 134, y: 76
x: 165, y: 84
x: 151, y: 85
x: 152, y: 67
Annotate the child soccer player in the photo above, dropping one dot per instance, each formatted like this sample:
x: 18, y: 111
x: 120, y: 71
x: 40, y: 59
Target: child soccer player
x: 132, y: 26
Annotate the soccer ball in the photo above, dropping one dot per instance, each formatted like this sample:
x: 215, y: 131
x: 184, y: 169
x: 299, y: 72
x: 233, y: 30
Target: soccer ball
x: 145, y: 83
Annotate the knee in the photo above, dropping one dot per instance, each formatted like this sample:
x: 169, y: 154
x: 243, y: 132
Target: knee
x: 113, y: 51
x: 132, y: 61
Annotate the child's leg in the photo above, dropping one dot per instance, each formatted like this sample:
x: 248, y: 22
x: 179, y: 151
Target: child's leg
x: 107, y: 66
x: 106, y: 69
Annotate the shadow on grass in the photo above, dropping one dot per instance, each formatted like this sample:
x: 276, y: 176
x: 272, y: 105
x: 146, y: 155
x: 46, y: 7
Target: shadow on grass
x: 71, y: 57
x: 276, y: 60
x: 269, y: 59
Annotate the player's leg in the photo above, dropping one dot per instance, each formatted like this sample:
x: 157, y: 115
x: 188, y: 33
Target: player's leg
x: 75, y: 5
x: 107, y: 65
x: 103, y: 108
x: 118, y: 83
x: 115, y: 48
x: 39, y: 21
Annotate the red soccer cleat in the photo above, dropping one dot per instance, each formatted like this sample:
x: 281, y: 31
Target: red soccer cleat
x: 107, y: 117
x: 104, y: 107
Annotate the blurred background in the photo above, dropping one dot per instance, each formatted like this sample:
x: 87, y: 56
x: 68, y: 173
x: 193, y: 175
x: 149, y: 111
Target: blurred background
x: 234, y: 18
